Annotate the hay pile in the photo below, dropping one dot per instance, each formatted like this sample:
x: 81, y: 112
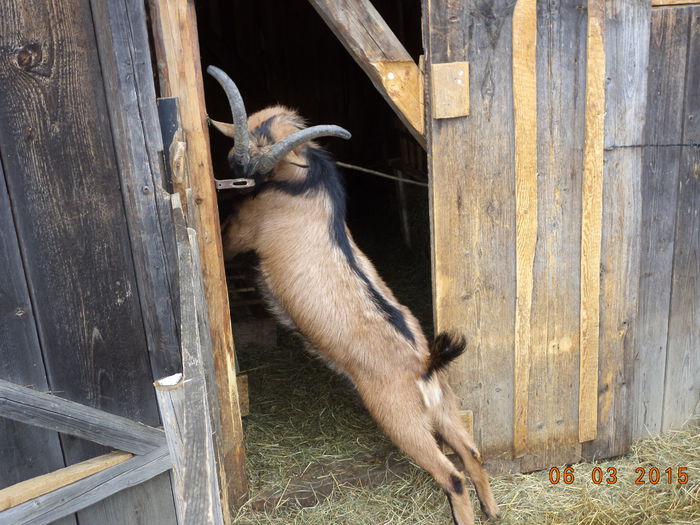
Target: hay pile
x: 308, y: 430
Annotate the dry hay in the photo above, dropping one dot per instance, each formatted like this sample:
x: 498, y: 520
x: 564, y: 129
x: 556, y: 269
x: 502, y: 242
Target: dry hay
x: 308, y: 429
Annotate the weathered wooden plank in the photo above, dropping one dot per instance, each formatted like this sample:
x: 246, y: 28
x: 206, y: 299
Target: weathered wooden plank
x: 88, y: 491
x: 554, y: 361
x: 664, y: 125
x: 682, y: 383
x: 61, y: 172
x: 25, y: 451
x: 35, y: 487
x: 525, y: 124
x: 375, y: 48
x: 626, y: 49
x: 472, y: 192
x: 186, y: 421
x: 47, y: 411
x: 177, y: 50
x: 184, y: 399
x: 591, y: 225
x: 141, y: 179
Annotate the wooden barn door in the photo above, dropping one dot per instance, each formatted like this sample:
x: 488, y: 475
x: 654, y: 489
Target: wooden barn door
x: 85, y: 307
x: 565, y: 220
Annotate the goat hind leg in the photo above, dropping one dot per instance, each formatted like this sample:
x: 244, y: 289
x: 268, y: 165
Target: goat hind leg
x: 449, y: 426
x: 409, y: 428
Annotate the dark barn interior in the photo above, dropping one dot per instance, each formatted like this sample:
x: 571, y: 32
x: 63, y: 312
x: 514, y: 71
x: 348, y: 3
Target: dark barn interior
x: 284, y: 53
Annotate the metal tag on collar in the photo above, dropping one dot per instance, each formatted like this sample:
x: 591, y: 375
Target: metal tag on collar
x: 234, y: 184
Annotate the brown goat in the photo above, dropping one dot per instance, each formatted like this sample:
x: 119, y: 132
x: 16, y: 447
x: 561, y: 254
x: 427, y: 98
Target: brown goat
x: 319, y: 283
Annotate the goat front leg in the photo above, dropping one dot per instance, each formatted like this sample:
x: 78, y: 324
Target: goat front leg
x: 237, y: 235
x: 401, y: 414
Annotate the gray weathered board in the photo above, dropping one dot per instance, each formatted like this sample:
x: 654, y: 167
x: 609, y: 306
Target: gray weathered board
x: 473, y: 210
x: 63, y: 150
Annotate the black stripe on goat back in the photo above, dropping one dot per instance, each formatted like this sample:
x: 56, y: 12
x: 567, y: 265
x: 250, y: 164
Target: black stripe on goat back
x: 323, y: 175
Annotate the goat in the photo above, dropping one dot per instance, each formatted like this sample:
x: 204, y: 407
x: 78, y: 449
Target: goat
x: 320, y: 284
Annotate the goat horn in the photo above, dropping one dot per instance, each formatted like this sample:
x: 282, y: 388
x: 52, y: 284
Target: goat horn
x: 278, y: 151
x: 240, y: 119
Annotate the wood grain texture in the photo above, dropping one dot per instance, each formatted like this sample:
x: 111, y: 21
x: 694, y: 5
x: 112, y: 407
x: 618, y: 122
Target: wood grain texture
x: 525, y: 124
x: 130, y: 103
x: 626, y: 48
x: 60, y: 166
x: 368, y: 39
x: 682, y: 383
x: 591, y: 226
x: 47, y: 411
x: 177, y: 51
x: 674, y: 3
x: 185, y: 406
x: 554, y: 363
x: 35, y: 487
x: 668, y: 48
x: 450, y: 90
x: 93, y: 489
x: 25, y: 451
x: 473, y: 211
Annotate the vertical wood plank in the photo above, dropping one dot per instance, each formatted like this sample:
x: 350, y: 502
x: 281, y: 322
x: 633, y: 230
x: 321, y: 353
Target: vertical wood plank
x: 554, y: 364
x: 682, y: 382
x: 626, y: 50
x: 525, y: 119
x: 141, y: 179
x: 179, y: 68
x: 25, y: 451
x: 60, y: 166
x: 591, y: 226
x: 473, y: 210
x: 664, y: 125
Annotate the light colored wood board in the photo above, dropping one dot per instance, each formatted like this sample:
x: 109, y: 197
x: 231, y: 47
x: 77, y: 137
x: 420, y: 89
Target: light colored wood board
x: 472, y: 212
x: 88, y: 491
x: 674, y: 3
x: 403, y: 83
x: 449, y: 89
x: 525, y: 124
x: 35, y: 487
x: 140, y: 178
x: 243, y: 394
x: 665, y: 97
x: 591, y: 225
x: 626, y: 40
x: 554, y: 364
x: 47, y: 411
x: 177, y: 51
x: 367, y: 37
x: 682, y: 383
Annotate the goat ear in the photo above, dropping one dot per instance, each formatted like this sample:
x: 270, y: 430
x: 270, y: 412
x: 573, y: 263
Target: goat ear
x: 224, y: 127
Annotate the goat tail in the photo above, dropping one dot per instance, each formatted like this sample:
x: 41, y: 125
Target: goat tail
x: 445, y: 348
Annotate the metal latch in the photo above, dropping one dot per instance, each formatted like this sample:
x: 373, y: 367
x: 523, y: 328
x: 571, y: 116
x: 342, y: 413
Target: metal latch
x: 234, y: 184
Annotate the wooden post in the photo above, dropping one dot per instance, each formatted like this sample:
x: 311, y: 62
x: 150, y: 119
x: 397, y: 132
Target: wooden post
x: 179, y: 70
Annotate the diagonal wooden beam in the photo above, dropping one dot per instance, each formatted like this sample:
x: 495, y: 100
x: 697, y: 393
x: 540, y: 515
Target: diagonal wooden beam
x: 33, y: 488
x: 370, y: 41
x: 88, y: 491
x: 55, y: 413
